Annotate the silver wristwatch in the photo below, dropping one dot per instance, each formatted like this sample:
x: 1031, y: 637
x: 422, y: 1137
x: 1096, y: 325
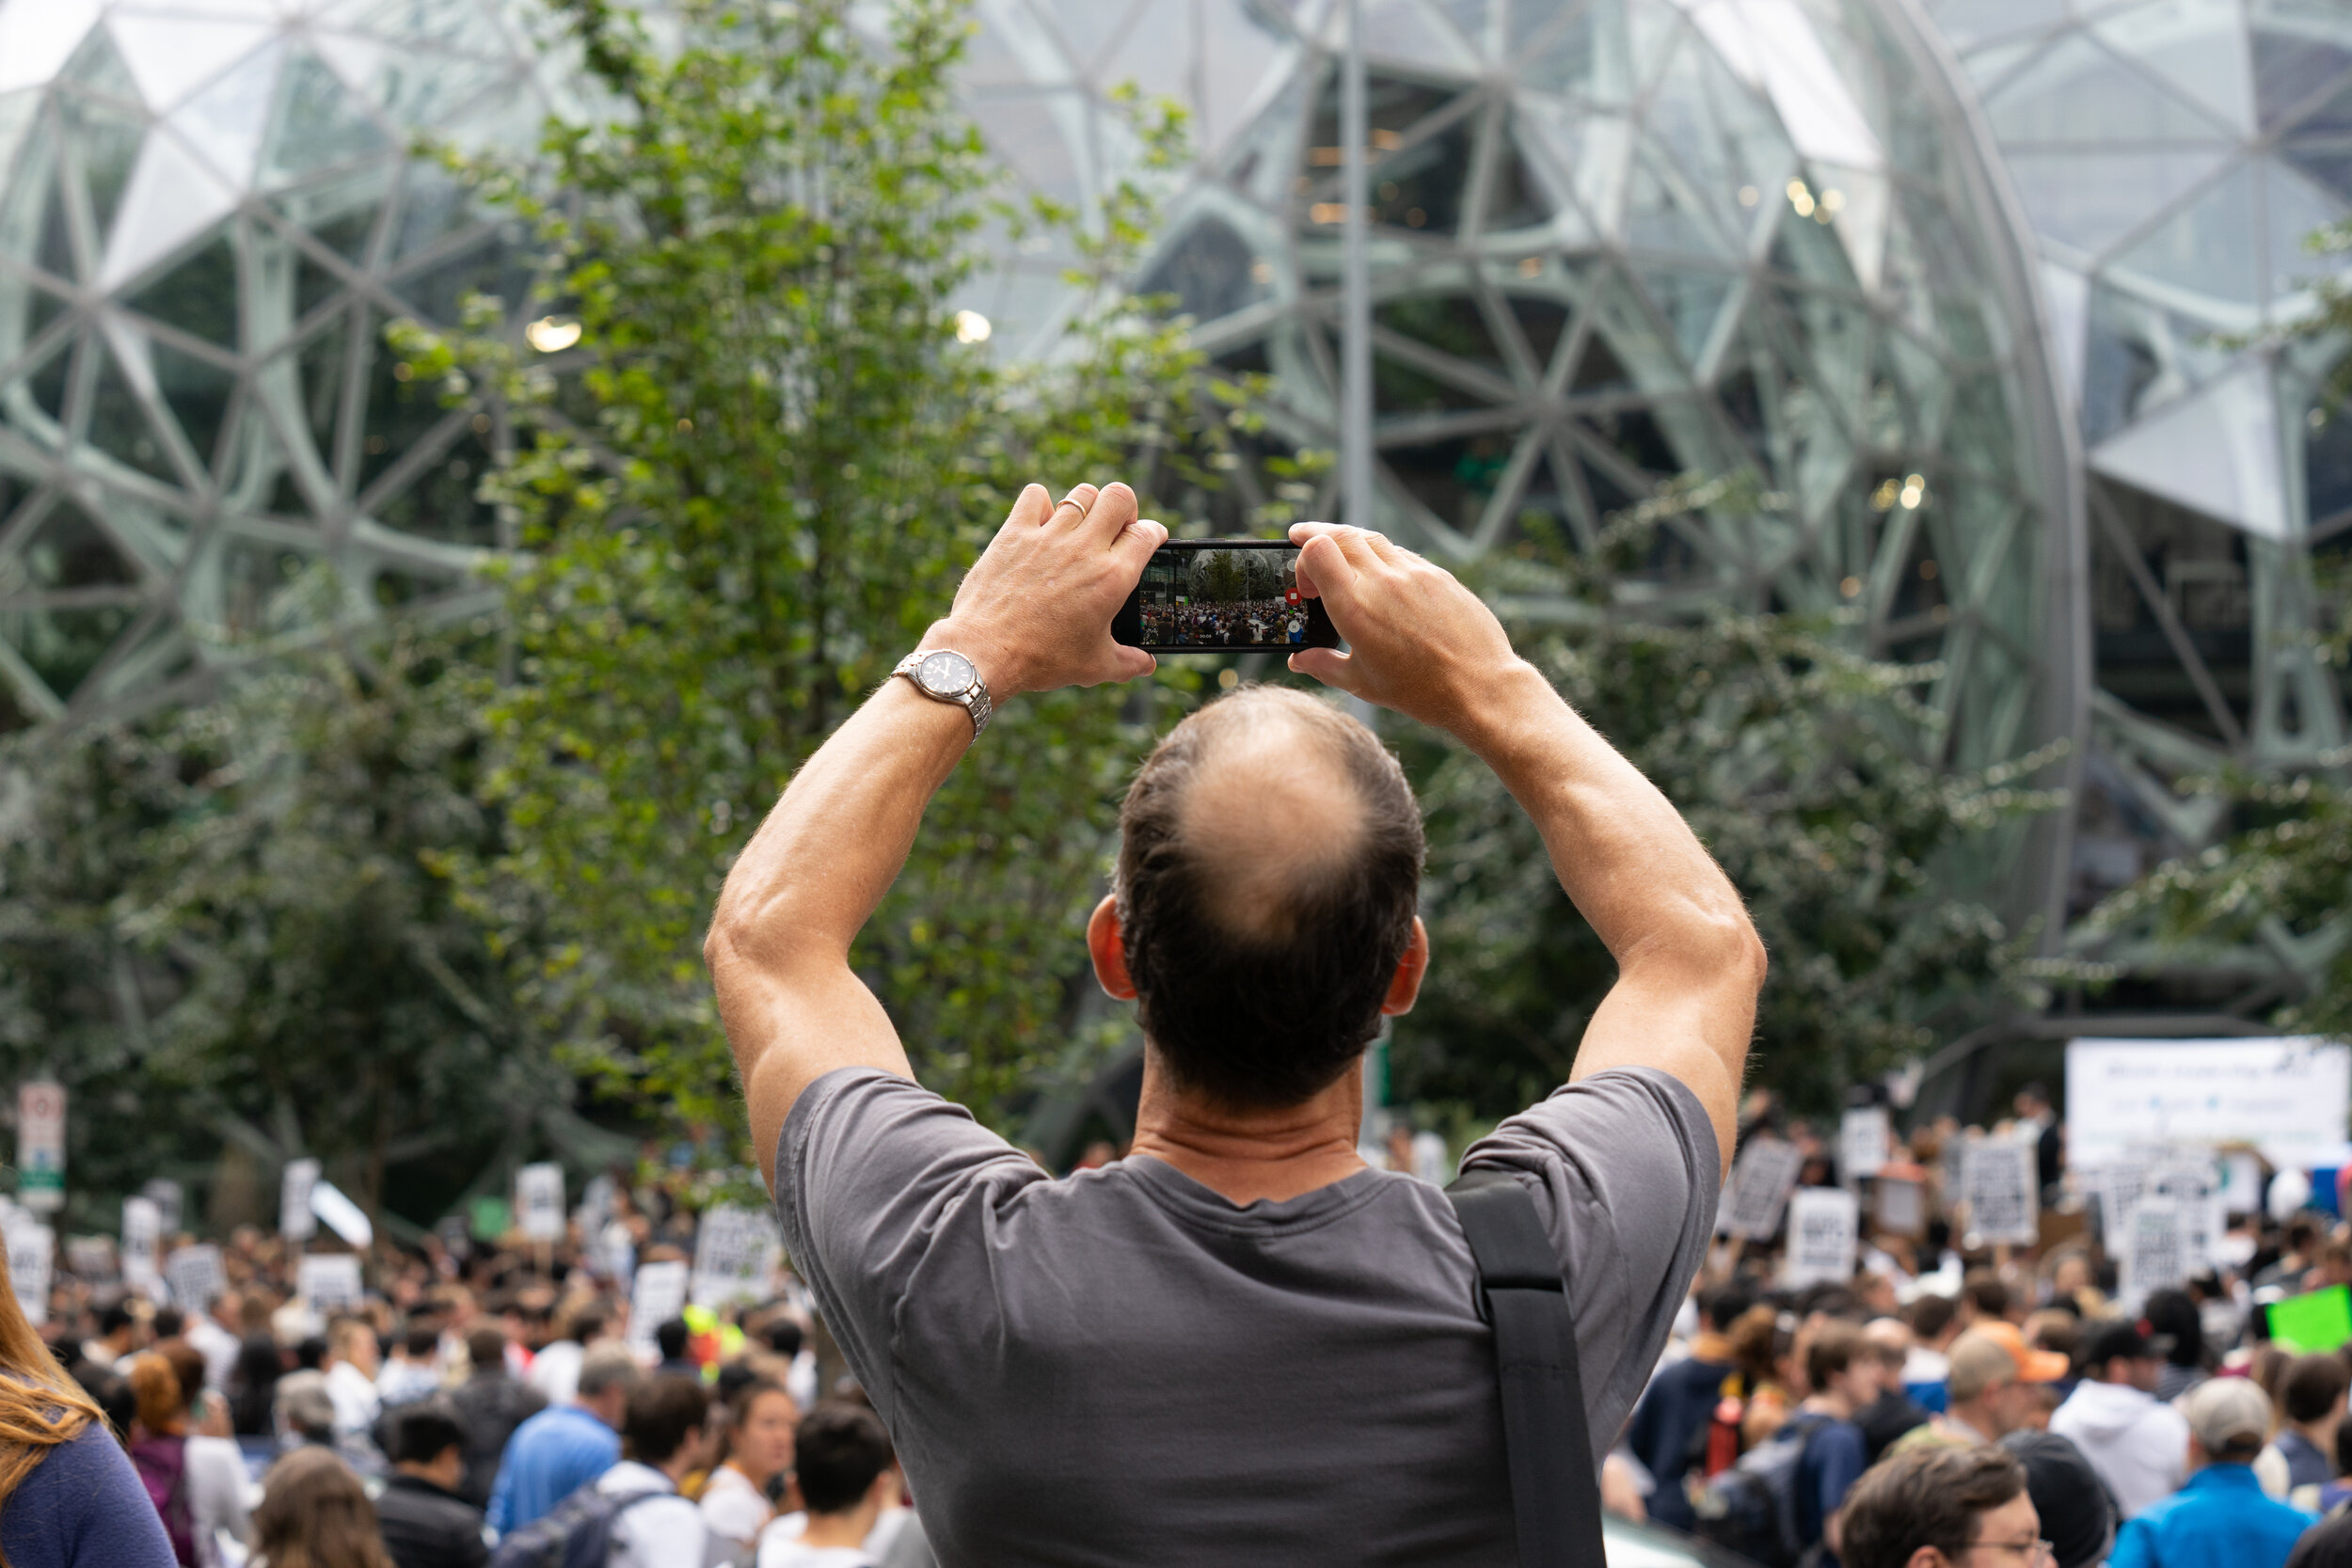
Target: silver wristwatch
x: 946, y: 676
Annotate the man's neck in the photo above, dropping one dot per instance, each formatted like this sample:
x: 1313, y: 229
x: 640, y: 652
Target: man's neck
x: 1831, y: 1402
x: 1976, y: 1422
x: 1244, y: 1154
x: 2319, y: 1435
x: 842, y: 1530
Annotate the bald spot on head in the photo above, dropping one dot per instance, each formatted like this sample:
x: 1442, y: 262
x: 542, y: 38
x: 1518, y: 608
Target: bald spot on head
x: 1270, y: 810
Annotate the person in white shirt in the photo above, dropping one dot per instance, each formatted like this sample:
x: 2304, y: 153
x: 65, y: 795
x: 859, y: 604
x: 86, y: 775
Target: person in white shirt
x: 664, y: 1438
x: 758, y: 1448
x: 841, y: 1455
x: 214, y: 1335
x: 555, y: 1371
x: 350, y: 1368
x: 414, y: 1372
x: 2137, y: 1444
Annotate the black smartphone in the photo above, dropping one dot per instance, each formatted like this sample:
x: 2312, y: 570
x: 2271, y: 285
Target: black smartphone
x: 1222, y: 595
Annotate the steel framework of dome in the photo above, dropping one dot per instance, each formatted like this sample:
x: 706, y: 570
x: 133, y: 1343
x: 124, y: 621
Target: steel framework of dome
x: 208, y: 212
x: 1614, y: 243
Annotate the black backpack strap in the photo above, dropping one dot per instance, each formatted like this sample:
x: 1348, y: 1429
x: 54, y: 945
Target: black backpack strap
x: 1547, y: 1434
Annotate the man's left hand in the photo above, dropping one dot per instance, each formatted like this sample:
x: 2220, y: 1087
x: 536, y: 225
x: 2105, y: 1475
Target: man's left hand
x: 1034, y: 613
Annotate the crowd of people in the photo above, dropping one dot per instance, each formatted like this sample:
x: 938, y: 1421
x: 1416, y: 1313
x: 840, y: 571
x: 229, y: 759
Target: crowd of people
x: 480, y: 1405
x: 1242, y: 624
x: 1945, y: 1398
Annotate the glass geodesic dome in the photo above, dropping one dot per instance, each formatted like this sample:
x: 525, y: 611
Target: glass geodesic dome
x: 1615, y: 241
x: 208, y: 212
x: 2171, y: 157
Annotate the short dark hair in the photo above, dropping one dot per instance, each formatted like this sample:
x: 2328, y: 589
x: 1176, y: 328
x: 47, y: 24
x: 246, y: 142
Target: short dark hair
x: 1269, y: 1015
x: 167, y: 1323
x: 116, y: 1318
x: 2343, y: 1444
x: 1724, y: 1304
x: 783, y: 1334
x: 1987, y: 1291
x: 1932, y: 1314
x: 423, y: 1339
x: 1837, y: 1346
x: 422, y: 1432
x: 671, y: 1339
x: 1931, y: 1497
x: 662, y: 1413
x: 838, y: 1450
x: 485, y: 1347
x: 2312, y: 1385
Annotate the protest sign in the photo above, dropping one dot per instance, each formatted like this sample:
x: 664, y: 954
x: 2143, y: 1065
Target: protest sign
x: 1900, y: 1204
x: 491, y: 1218
x: 40, y: 1147
x: 2154, y: 1251
x: 329, y: 1280
x: 142, y: 1231
x: 2311, y: 1325
x: 1823, y: 1226
x: 295, y: 1220
x: 539, y: 1202
x: 1862, y: 1142
x: 1998, y: 1181
x: 2192, y: 1180
x: 734, y: 1252
x: 659, y: 1295
x: 2241, y: 1183
x: 2288, y: 1097
x: 166, y: 1194
x: 1760, y: 1180
x: 90, y: 1259
x: 32, y: 1250
x: 595, y: 1207
x: 343, y: 1216
x: 195, y: 1277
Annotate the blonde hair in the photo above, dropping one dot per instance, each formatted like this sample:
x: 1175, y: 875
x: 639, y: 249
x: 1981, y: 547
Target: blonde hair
x: 314, y: 1514
x: 39, y: 1405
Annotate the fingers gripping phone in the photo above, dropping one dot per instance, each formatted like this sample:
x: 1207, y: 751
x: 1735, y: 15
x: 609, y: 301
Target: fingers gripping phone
x: 1222, y: 595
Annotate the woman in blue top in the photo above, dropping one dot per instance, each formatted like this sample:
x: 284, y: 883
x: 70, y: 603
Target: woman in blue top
x: 68, y: 1498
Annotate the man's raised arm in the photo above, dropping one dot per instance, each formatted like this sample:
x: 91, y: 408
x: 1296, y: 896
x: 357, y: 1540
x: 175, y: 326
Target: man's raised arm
x: 1688, y: 962
x: 1033, y: 614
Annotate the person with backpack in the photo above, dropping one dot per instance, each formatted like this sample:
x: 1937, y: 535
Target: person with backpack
x: 632, y: 1516
x: 1673, y: 1424
x: 197, y: 1483
x: 426, y: 1521
x: 1841, y: 1369
x: 566, y: 1446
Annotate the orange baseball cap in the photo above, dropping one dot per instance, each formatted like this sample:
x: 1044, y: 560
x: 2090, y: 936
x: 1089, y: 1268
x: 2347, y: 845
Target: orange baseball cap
x: 2033, y: 1366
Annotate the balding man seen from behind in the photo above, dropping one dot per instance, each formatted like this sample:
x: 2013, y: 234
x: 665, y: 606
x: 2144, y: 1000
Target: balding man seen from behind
x: 1241, y: 1343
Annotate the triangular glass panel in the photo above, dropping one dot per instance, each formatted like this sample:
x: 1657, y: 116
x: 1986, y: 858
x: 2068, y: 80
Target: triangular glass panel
x: 29, y: 310
x: 1422, y: 188
x: 104, y: 139
x: 1806, y: 248
x: 2291, y: 68
x: 321, y: 364
x: 1586, y: 156
x: 2215, y: 450
x: 1210, y: 269
x: 1691, y: 301
x: 432, y: 207
x: 19, y: 111
x: 2297, y: 209
x: 1473, y: 19
x: 199, y: 296
x: 1598, y: 370
x: 2079, y: 95
x: 1987, y: 67
x: 1515, y: 198
x: 1966, y: 22
x: 35, y: 40
x: 53, y: 252
x: 1656, y: 220
x: 317, y: 123
x: 173, y: 198
x: 1154, y: 50
x: 118, y: 426
x: 2199, y: 47
x: 1400, y: 32
x: 44, y: 380
x: 63, y: 644
x: 432, y: 90
x: 1090, y: 26
x: 226, y: 121
x: 68, y: 550
x: 170, y: 57
x: 340, y: 212
x: 315, y: 283
x: 1583, y: 55
x: 2203, y: 247
x: 199, y: 394
x: 2327, y: 164
x: 2089, y: 200
x: 97, y: 66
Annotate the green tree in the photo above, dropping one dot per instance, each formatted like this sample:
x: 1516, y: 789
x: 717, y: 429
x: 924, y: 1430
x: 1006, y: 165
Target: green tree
x: 777, y: 460
x: 1798, y: 762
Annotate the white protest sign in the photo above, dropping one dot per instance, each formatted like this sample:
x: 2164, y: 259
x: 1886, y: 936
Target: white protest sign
x: 1900, y: 1206
x: 539, y: 1202
x: 329, y: 1280
x: 195, y: 1277
x: 295, y: 1221
x: 142, y: 1231
x: 40, y: 1147
x: 90, y: 1259
x: 2154, y: 1251
x: 1760, y: 1180
x: 343, y: 1216
x: 659, y: 1295
x: 595, y: 1207
x: 2289, y: 1097
x: 167, y: 1195
x: 1998, y: 1181
x: 2191, y: 1179
x: 1862, y: 1142
x: 1823, y: 1226
x: 2241, y: 1183
x: 735, y: 1252
x: 32, y: 1249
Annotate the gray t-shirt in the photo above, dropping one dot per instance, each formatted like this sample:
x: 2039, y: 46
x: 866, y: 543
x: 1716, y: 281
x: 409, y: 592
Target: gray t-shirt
x: 1123, y: 1368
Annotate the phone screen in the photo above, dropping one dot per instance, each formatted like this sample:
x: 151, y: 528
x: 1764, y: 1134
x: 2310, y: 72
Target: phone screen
x: 1214, y: 597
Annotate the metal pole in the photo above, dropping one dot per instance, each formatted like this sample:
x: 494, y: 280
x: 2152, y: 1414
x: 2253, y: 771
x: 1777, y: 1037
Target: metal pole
x: 1355, y: 285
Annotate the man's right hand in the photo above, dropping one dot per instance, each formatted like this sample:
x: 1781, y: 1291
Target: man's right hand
x: 1419, y: 642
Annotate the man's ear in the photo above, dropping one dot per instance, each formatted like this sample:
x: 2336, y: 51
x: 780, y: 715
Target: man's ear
x: 1404, y: 987
x: 1109, y: 952
x: 1928, y: 1557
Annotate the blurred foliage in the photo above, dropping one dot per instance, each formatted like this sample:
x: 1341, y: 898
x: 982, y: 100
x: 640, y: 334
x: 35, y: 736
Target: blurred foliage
x: 227, y: 924
x: 1803, y: 765
x: 775, y: 462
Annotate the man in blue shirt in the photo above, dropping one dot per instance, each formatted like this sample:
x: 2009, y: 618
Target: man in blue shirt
x: 1841, y: 1367
x: 2220, y: 1518
x: 566, y: 1447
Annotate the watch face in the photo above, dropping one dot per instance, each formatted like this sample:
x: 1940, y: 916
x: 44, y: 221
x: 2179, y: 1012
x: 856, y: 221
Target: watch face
x: 945, y: 674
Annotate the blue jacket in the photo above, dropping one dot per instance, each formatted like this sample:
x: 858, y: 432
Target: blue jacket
x: 550, y: 1456
x: 2220, y: 1519
x: 1677, y: 1403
